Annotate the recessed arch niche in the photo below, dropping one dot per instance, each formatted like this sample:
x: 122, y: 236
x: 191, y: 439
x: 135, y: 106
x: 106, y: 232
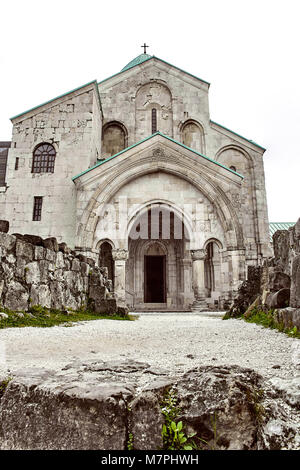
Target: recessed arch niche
x: 192, y: 135
x: 153, y: 97
x: 114, y: 138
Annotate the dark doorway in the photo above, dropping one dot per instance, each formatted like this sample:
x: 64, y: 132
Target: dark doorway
x: 155, y: 279
x: 106, y: 260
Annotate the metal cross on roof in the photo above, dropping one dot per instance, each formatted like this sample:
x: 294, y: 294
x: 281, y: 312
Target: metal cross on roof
x: 144, y: 46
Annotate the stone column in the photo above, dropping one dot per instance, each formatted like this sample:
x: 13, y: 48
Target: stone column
x: 188, y: 294
x: 198, y: 257
x: 120, y: 256
x: 236, y: 268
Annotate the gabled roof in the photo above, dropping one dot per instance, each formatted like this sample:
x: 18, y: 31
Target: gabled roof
x: 148, y: 138
x: 145, y: 58
x: 59, y: 97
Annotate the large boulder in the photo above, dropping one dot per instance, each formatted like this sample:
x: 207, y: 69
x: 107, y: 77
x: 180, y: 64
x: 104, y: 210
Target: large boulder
x: 280, y: 299
x: 51, y: 243
x: 278, y: 280
x: 247, y: 292
x: 295, y: 284
x: 100, y: 405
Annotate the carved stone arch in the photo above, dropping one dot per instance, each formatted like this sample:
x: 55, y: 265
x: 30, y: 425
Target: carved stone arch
x: 168, y: 205
x: 213, y: 240
x: 153, y: 95
x: 237, y: 149
x: 104, y: 240
x: 234, y: 155
x: 126, y: 172
x: 114, y: 138
x: 192, y: 135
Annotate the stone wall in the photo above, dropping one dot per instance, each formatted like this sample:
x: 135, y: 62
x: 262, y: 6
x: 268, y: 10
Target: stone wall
x: 284, y: 269
x: 34, y: 271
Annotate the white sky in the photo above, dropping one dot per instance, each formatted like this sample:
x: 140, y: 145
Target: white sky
x: 248, y: 50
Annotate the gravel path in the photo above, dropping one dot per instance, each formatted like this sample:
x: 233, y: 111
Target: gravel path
x: 177, y: 342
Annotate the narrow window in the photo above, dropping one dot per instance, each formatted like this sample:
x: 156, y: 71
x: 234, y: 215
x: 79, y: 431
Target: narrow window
x: 3, y: 162
x: 17, y: 163
x: 37, y: 208
x: 154, y: 121
x: 43, y: 159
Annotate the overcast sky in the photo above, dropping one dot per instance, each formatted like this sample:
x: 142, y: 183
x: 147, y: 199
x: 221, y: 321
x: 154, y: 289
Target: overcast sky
x: 248, y: 50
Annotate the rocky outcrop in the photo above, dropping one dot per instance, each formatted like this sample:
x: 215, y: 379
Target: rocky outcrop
x: 101, y: 405
x: 34, y: 271
x: 276, y: 284
x: 248, y: 291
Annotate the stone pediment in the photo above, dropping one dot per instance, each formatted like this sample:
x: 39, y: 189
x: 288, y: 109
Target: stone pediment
x: 157, y: 152
x: 157, y: 63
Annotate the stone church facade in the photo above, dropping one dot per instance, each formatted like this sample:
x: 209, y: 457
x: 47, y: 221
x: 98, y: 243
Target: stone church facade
x: 132, y: 172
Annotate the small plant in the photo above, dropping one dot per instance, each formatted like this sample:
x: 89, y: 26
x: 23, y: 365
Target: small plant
x: 254, y: 399
x: 173, y: 434
x: 293, y: 332
x: 130, y: 442
x: 267, y: 319
x: 3, y: 386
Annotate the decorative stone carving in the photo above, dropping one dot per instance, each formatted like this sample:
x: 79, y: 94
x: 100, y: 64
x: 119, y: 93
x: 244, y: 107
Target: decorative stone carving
x: 158, y: 153
x: 199, y: 254
x: 120, y: 254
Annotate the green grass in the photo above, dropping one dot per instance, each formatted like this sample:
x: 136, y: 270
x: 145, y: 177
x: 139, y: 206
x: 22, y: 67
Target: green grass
x: 267, y: 320
x: 43, y: 317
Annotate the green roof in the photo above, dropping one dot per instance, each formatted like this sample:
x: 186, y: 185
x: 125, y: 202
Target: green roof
x: 147, y: 138
x: 274, y: 226
x: 143, y: 58
x: 138, y: 60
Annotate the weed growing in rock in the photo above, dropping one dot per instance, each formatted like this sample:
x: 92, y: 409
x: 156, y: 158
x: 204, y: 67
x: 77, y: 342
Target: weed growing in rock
x: 3, y: 386
x: 130, y: 442
x: 173, y: 434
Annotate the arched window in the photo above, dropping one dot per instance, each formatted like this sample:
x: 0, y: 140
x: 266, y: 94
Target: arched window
x: 232, y: 167
x: 43, y: 159
x: 154, y: 120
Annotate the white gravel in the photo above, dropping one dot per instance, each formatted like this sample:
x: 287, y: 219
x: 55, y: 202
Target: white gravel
x: 174, y: 341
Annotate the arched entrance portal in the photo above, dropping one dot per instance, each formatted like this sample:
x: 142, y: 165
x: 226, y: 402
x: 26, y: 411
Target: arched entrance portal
x: 158, y: 270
